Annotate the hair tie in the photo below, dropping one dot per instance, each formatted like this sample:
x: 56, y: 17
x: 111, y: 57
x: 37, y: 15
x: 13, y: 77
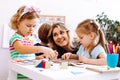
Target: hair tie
x: 30, y: 9
x: 92, y: 21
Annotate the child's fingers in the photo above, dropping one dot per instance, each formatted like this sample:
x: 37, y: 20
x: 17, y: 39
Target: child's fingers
x: 68, y: 56
x: 63, y: 57
x: 56, y: 53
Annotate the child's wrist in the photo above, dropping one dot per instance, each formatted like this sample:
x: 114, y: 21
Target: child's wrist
x: 37, y: 51
x: 87, y: 61
x: 42, y: 49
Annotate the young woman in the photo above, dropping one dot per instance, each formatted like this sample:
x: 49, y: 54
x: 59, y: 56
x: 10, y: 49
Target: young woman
x: 59, y: 39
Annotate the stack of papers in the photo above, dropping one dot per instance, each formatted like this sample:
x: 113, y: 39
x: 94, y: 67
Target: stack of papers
x: 102, y: 69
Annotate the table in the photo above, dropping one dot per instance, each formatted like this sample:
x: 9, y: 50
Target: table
x: 72, y: 73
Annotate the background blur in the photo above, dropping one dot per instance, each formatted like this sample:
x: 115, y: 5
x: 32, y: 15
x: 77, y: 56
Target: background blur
x: 74, y: 10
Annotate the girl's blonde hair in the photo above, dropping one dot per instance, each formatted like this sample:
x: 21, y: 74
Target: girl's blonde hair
x: 88, y: 26
x: 22, y: 13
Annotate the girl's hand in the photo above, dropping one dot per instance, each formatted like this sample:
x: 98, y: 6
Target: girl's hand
x: 66, y: 56
x: 48, y: 52
x: 39, y: 57
x: 55, y: 54
x: 83, y: 59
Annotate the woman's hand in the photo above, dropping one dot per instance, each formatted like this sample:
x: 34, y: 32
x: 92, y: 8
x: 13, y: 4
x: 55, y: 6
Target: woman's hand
x: 66, y: 56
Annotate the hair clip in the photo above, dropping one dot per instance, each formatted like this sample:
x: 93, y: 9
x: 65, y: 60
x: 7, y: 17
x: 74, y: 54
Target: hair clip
x: 30, y: 9
x: 33, y: 9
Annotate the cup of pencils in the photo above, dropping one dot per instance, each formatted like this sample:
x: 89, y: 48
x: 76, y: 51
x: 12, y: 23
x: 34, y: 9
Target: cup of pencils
x: 112, y: 60
x: 112, y: 55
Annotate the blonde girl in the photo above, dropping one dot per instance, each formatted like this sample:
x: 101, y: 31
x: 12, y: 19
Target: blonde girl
x: 92, y: 40
x: 24, y: 21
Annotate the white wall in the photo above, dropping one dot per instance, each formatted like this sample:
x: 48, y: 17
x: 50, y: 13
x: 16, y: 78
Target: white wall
x: 74, y: 10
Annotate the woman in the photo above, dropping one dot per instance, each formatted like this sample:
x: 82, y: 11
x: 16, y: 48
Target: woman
x: 59, y: 40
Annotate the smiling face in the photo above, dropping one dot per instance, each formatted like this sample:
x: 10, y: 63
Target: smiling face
x: 60, y: 37
x: 27, y: 26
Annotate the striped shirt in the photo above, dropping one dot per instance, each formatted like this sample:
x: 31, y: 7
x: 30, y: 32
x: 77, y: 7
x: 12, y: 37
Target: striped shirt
x: 25, y: 41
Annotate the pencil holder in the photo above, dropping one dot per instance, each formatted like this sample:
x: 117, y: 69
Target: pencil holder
x: 112, y: 60
x: 119, y: 61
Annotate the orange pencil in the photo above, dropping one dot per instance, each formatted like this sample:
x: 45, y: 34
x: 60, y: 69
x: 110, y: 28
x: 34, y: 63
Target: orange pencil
x: 116, y: 49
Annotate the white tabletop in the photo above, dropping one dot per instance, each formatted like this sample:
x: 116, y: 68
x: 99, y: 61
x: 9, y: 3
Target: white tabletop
x: 72, y: 73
